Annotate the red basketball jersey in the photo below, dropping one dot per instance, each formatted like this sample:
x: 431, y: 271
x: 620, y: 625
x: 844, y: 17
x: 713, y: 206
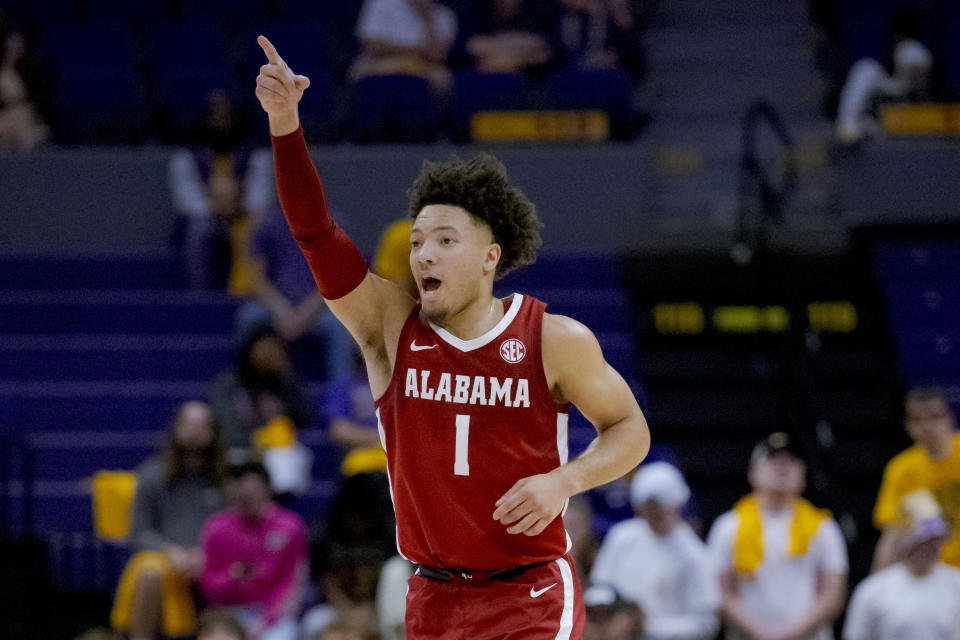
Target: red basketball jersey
x: 461, y: 422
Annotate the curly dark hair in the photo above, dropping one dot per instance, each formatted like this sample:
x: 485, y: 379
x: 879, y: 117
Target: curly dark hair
x: 480, y: 186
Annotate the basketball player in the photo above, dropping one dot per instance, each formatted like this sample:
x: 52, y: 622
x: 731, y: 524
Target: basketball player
x: 471, y: 391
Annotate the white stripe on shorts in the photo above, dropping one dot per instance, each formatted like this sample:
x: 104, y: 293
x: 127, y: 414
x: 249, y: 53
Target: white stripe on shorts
x: 566, y: 618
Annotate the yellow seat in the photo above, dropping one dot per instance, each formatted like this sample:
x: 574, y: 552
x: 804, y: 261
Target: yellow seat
x: 112, y: 493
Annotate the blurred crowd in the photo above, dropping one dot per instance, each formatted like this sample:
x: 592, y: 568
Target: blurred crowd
x: 403, y: 70
x: 408, y: 70
x: 220, y: 550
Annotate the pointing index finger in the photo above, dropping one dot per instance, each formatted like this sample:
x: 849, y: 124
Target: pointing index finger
x: 272, y: 56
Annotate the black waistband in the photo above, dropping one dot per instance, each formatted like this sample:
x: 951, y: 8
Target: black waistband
x: 447, y: 574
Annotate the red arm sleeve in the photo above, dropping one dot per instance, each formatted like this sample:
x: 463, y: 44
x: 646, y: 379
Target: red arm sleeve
x: 337, y: 265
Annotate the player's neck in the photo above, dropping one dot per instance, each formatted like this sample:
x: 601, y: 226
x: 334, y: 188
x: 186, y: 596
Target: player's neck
x: 475, y: 319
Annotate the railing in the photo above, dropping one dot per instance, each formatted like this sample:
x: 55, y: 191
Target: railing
x: 762, y: 194
x: 16, y: 488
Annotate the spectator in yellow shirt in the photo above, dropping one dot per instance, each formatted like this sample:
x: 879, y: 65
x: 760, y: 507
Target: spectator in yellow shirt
x: 933, y: 463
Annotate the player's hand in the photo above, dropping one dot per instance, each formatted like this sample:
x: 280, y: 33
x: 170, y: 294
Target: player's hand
x: 532, y: 503
x: 279, y: 90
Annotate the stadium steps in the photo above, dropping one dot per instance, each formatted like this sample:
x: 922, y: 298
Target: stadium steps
x: 709, y: 62
x: 96, y: 353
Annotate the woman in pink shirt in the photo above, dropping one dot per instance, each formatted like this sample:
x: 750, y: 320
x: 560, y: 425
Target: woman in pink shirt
x: 256, y: 556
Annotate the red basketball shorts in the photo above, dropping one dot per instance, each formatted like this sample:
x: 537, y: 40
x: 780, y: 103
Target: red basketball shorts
x: 543, y: 603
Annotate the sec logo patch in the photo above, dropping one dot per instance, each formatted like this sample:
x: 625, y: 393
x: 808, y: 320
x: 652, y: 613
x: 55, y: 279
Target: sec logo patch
x: 512, y: 350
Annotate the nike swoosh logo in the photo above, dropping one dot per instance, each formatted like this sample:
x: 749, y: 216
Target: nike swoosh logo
x: 534, y: 593
x: 421, y: 347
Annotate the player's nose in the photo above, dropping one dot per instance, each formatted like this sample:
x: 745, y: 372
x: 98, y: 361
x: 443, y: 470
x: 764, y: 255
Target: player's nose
x: 425, y: 254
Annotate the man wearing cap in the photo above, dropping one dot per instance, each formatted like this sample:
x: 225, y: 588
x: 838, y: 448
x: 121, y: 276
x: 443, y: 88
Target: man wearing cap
x: 656, y: 560
x: 917, y: 597
x: 782, y: 561
x: 933, y: 463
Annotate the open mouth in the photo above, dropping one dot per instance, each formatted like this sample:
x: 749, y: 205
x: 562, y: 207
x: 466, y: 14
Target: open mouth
x: 429, y: 285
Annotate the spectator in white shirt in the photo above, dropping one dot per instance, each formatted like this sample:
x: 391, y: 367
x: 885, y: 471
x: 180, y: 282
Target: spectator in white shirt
x: 411, y: 37
x: 782, y: 561
x: 657, y: 562
x: 918, y: 597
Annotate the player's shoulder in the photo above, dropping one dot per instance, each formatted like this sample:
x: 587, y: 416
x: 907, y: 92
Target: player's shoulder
x: 568, y: 346
x: 564, y: 329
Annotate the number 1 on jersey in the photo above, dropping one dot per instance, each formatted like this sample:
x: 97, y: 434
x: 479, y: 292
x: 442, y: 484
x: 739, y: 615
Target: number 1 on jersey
x: 461, y: 465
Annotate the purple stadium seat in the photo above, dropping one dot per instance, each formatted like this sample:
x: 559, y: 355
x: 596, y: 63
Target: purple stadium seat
x: 98, y: 42
x: 473, y: 92
x: 89, y: 114
x: 394, y: 108
x: 609, y: 90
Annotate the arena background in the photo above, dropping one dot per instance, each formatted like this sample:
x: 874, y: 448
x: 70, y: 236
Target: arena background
x: 745, y: 272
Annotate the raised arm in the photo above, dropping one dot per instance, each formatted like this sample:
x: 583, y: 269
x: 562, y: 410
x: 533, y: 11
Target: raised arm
x: 371, y: 308
x: 578, y: 373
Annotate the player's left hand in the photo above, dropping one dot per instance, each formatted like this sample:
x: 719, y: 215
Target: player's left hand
x: 531, y: 504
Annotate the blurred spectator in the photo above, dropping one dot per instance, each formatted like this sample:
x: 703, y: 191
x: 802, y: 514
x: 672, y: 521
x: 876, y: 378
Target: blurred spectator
x: 283, y: 295
x: 262, y: 404
x: 578, y: 521
x: 351, y: 414
x: 392, y: 597
x: 918, y: 597
x: 217, y: 187
x: 260, y: 388
x: 220, y: 624
x: 868, y: 80
x: 611, y: 502
x: 392, y: 258
x: 657, y: 562
x: 782, y: 561
x: 610, y: 617
x: 256, y: 556
x: 933, y: 462
x: 21, y: 126
x: 176, y: 492
x: 599, y: 34
x: 410, y: 37
x: 350, y: 547
x: 505, y: 36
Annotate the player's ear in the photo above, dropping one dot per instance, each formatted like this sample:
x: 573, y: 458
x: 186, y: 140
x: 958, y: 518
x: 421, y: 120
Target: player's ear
x: 491, y: 257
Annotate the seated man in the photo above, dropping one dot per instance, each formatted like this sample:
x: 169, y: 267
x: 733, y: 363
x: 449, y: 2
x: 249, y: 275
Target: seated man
x: 409, y: 37
x: 256, y: 556
x: 177, y: 491
x: 782, y: 561
x: 918, y: 597
x: 933, y: 462
x: 505, y: 36
x: 657, y: 562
